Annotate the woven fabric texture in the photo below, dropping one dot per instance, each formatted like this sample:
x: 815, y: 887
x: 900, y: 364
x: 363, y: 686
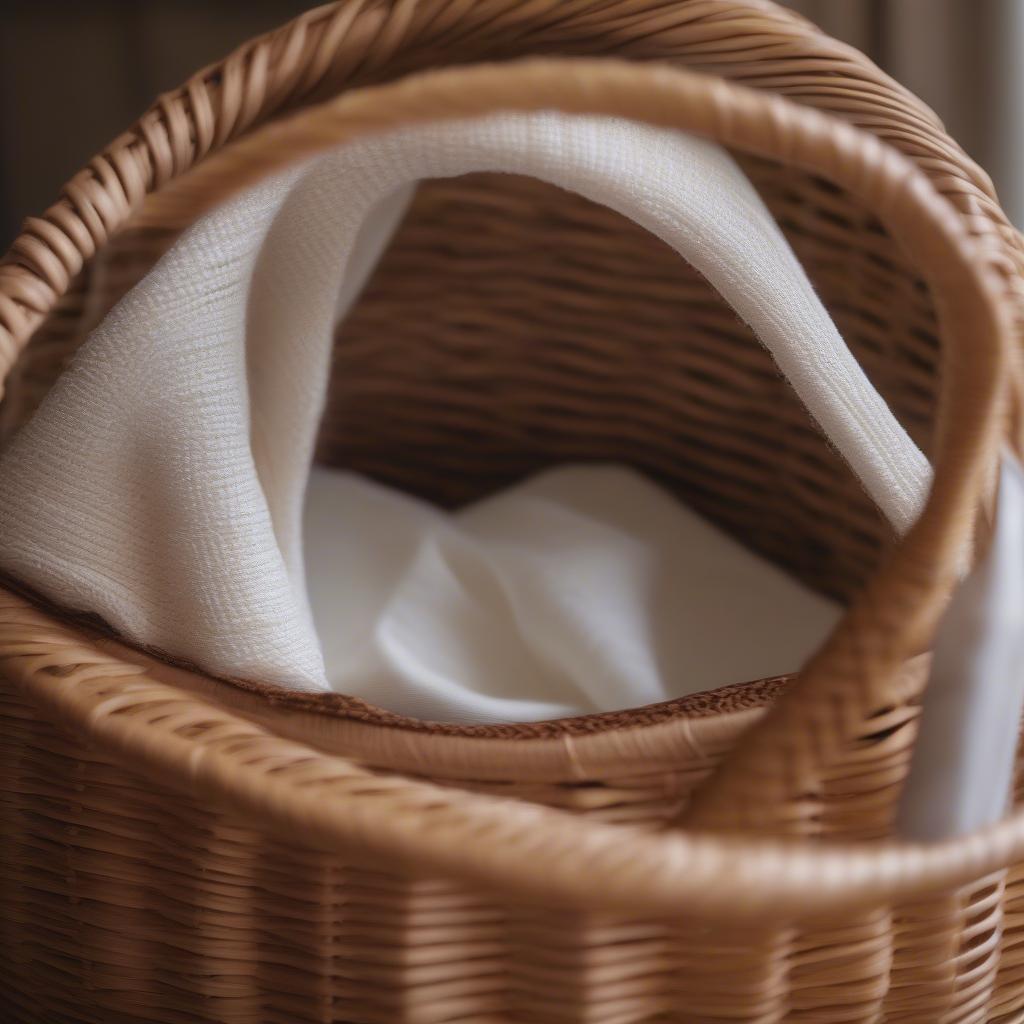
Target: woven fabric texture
x: 171, y: 459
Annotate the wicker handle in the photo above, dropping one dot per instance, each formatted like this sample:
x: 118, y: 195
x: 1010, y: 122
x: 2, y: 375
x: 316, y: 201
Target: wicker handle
x: 860, y: 667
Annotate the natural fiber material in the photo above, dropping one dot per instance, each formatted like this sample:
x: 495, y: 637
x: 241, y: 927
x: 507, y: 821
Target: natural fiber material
x: 182, y: 849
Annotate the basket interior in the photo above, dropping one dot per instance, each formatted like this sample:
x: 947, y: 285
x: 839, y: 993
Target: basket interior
x: 512, y: 325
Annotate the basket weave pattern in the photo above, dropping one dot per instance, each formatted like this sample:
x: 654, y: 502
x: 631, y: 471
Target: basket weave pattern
x: 176, y: 848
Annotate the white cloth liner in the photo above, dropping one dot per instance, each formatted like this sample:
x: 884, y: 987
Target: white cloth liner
x: 586, y: 588
x: 160, y: 484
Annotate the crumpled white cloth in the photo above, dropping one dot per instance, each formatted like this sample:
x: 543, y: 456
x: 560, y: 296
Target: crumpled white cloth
x: 587, y: 588
x: 160, y: 485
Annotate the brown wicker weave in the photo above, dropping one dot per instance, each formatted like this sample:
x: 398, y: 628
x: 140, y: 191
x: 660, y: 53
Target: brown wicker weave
x: 176, y: 848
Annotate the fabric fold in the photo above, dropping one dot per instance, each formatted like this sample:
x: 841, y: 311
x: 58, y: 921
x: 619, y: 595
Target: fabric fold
x: 586, y: 588
x: 160, y: 483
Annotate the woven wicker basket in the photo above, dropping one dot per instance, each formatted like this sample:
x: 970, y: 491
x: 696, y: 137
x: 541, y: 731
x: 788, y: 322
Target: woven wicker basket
x: 178, y: 848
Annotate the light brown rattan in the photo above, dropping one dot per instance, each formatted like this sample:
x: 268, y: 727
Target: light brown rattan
x: 177, y: 848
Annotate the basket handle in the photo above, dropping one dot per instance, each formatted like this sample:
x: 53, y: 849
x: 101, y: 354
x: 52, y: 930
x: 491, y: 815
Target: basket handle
x: 861, y: 666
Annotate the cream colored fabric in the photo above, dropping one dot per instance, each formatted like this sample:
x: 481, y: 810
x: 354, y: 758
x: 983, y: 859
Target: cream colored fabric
x: 587, y: 588
x: 160, y: 485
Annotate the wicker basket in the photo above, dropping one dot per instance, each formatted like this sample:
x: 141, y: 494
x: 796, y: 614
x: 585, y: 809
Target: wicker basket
x: 178, y: 848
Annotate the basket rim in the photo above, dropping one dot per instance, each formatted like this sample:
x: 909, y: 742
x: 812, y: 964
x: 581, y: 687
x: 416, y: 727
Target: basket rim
x: 548, y: 855
x: 645, y: 739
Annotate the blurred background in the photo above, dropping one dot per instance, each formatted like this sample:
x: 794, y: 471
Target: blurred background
x: 75, y: 74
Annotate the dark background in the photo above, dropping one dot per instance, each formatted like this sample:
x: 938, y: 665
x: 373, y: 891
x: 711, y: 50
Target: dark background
x: 75, y: 73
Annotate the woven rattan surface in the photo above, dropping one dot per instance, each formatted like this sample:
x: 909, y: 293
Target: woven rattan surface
x: 177, y: 848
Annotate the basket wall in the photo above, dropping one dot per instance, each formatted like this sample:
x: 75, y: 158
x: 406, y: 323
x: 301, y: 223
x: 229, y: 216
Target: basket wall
x: 126, y: 897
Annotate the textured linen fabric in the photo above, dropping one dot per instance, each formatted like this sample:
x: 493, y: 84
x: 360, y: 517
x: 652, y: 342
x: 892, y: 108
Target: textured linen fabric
x: 160, y: 484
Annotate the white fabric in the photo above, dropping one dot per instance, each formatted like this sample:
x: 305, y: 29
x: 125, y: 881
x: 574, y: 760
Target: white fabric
x: 584, y: 589
x: 961, y: 773
x: 160, y: 484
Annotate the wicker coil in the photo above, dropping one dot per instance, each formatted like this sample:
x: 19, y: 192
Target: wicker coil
x: 175, y: 848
